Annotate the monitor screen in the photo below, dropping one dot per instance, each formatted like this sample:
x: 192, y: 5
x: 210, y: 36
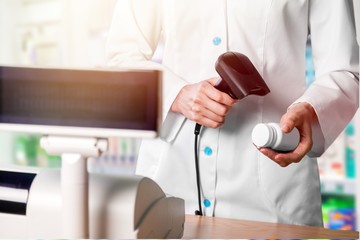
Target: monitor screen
x: 89, y: 102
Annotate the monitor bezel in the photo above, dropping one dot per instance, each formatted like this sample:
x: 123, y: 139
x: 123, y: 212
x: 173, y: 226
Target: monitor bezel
x: 77, y: 131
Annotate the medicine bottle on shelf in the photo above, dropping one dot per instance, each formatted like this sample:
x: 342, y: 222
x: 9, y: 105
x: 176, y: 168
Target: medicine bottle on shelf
x: 270, y: 135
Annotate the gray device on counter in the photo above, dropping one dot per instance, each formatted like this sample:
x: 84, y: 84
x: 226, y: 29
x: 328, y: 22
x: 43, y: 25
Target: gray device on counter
x: 120, y: 207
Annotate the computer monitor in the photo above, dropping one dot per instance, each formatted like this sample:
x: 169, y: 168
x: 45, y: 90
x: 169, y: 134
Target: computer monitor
x: 80, y: 102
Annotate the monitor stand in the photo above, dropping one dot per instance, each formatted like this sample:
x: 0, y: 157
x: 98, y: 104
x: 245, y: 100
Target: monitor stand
x: 74, y: 153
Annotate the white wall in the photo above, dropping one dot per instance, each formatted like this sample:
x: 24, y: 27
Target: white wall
x: 86, y: 25
x: 54, y: 32
x: 7, y: 36
x: 51, y: 33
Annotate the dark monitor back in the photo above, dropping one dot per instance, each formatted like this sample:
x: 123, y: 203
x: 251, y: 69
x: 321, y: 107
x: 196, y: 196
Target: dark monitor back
x: 80, y: 102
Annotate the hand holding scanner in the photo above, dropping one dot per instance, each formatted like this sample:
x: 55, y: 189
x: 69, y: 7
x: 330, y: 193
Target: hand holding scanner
x: 239, y: 78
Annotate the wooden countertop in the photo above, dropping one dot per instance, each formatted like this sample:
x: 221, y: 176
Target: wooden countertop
x: 208, y: 227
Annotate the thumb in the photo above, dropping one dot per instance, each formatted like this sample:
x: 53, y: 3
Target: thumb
x: 286, y: 124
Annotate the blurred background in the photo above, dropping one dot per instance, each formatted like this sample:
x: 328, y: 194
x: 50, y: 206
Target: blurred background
x: 58, y: 33
x: 72, y: 33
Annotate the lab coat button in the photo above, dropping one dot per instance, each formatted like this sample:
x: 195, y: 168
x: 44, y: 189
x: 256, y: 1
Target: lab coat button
x: 207, y: 203
x: 216, y: 41
x: 208, y: 151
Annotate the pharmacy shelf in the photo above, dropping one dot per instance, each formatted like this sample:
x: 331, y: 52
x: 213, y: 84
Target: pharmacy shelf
x: 338, y: 186
x: 357, y: 156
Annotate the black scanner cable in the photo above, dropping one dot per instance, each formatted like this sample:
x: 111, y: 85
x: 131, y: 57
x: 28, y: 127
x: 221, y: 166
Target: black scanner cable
x: 197, y: 168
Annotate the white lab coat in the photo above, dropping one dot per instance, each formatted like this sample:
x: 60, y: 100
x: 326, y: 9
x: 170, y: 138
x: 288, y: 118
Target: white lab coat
x: 357, y: 19
x: 237, y: 180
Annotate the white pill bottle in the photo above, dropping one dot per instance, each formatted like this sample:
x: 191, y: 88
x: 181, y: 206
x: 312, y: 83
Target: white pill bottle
x: 270, y: 135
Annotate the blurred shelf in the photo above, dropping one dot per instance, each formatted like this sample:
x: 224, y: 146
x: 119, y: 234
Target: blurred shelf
x: 338, y: 186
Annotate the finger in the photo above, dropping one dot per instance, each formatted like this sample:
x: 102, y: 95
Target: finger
x: 302, y: 149
x: 203, y: 104
x: 288, y: 158
x: 221, y: 97
x: 268, y: 152
x: 273, y: 155
x: 207, y: 122
x: 199, y: 112
x: 297, y: 154
x: 216, y: 108
x: 214, y: 81
x: 218, y: 95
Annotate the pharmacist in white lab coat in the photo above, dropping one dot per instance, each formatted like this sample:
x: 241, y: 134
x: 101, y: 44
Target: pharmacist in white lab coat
x: 238, y: 180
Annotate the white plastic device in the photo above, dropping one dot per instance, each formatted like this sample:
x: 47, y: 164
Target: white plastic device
x: 120, y: 207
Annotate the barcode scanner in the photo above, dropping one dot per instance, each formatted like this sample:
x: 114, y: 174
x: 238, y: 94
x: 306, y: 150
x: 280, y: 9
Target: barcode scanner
x: 238, y: 78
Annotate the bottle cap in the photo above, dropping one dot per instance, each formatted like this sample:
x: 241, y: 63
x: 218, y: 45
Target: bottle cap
x: 262, y: 135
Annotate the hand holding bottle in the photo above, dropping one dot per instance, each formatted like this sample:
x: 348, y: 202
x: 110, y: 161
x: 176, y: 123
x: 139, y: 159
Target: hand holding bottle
x: 300, y: 116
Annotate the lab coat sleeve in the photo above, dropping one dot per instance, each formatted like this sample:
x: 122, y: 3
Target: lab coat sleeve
x: 133, y: 38
x: 357, y: 19
x: 334, y: 93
